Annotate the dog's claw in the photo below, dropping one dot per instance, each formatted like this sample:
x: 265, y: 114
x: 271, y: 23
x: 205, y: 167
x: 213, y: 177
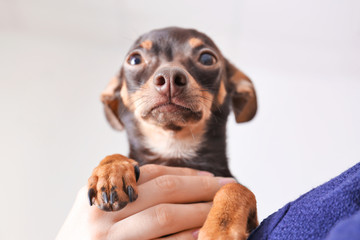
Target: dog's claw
x: 112, y: 184
x: 137, y: 172
x: 105, y: 197
x: 91, y: 195
x: 113, y: 196
x: 130, y: 192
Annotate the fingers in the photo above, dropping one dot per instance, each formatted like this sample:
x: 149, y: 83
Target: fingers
x: 151, y: 171
x: 161, y: 220
x: 184, y: 235
x: 113, y: 183
x: 173, y: 189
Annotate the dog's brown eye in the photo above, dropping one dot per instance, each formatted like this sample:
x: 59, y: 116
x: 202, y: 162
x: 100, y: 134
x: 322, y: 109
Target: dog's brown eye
x: 207, y: 59
x: 135, y: 59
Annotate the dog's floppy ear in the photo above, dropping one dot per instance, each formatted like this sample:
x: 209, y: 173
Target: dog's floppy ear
x: 110, y: 98
x: 242, y: 92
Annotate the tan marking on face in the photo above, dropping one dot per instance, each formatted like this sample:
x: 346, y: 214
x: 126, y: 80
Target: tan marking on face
x: 147, y: 44
x: 140, y: 98
x: 221, y: 94
x: 133, y: 101
x: 195, y: 42
x: 205, y: 98
x: 124, y: 94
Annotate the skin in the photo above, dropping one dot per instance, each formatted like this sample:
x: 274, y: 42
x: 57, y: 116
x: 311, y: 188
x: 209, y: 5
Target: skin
x: 162, y: 208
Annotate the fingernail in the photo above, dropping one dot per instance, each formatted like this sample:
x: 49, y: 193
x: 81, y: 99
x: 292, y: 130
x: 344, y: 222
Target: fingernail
x: 196, y: 233
x: 223, y: 181
x: 205, y: 173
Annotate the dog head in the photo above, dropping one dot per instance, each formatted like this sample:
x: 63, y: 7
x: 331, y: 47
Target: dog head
x: 176, y: 79
x: 173, y: 77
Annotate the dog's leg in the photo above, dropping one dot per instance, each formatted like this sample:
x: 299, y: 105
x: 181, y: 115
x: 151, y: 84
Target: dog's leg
x: 112, y: 184
x: 233, y: 215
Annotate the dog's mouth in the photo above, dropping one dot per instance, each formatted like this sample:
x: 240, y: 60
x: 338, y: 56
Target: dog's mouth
x: 170, y: 107
x: 172, y: 115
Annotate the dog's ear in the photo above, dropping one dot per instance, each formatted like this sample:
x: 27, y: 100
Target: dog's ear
x: 242, y: 92
x: 110, y: 98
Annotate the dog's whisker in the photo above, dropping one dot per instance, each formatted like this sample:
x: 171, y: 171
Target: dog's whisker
x: 192, y: 134
x: 139, y: 98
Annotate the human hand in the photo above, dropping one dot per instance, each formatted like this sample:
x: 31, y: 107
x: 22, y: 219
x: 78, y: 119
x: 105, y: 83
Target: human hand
x: 172, y: 202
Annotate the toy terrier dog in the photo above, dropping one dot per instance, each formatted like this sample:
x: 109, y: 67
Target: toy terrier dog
x: 173, y: 96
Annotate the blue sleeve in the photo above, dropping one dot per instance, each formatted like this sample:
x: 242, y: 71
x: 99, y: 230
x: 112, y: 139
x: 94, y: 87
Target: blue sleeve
x: 319, y: 213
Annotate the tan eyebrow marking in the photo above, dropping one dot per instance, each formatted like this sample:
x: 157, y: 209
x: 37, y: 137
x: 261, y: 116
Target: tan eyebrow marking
x: 195, y: 42
x: 147, y: 44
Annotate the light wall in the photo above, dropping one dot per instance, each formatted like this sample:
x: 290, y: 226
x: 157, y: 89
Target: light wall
x: 57, y: 56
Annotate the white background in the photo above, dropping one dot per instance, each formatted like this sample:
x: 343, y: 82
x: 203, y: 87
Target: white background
x: 57, y: 56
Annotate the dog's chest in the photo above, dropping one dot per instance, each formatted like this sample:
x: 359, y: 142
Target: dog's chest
x: 174, y: 149
x: 167, y: 145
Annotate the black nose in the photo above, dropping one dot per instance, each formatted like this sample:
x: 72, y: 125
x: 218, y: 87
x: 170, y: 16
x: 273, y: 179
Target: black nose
x: 170, y: 81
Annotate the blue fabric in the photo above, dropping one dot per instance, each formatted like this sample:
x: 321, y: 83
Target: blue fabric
x: 328, y: 212
x: 346, y: 229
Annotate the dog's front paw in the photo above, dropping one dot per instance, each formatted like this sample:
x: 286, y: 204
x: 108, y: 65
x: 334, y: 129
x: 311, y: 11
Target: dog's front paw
x: 232, y: 216
x: 112, y: 184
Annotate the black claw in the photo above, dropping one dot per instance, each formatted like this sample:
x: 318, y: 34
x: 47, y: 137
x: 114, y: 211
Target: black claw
x: 104, y: 196
x: 113, y: 197
x: 130, y: 192
x: 137, y: 172
x: 91, y: 194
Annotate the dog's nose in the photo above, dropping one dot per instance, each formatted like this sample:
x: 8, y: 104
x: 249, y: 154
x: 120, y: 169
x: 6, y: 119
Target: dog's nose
x: 170, y: 81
